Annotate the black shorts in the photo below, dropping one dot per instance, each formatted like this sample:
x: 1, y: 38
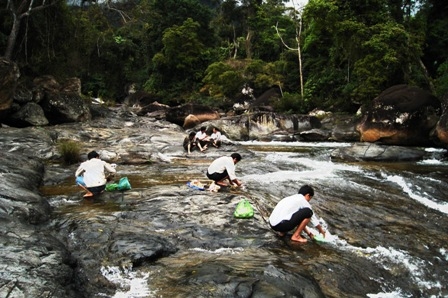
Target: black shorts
x: 217, y: 176
x: 296, y: 219
x: 97, y: 189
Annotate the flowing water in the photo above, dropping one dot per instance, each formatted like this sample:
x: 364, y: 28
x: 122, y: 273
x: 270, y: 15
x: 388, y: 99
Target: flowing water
x: 388, y: 225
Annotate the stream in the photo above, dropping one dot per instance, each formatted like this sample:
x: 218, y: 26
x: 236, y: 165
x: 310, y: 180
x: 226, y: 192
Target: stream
x: 387, y: 221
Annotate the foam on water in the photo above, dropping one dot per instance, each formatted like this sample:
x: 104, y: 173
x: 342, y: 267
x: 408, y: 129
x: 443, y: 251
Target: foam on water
x: 131, y: 284
x: 296, y: 144
x: 222, y: 250
x: 393, y: 259
x: 442, y: 207
x: 312, y: 169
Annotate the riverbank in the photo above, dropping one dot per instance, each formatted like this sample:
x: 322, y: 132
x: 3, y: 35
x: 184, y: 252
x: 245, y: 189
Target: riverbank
x: 162, y: 238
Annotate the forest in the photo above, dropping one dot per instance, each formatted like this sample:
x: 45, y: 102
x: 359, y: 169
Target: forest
x: 329, y: 54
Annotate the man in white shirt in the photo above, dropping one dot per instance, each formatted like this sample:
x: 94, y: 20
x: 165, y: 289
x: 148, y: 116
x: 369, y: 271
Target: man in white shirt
x: 295, y: 211
x: 202, y: 139
x: 223, y: 168
x: 93, y: 173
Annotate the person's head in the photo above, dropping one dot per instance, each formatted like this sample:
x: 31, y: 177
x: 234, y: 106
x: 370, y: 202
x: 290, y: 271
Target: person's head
x: 203, y: 128
x: 92, y: 154
x: 236, y: 157
x: 215, y: 129
x: 192, y: 134
x: 307, y: 191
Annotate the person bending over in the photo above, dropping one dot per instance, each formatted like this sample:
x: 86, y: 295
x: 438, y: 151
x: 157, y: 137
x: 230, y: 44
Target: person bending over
x: 189, y: 142
x: 295, y: 212
x: 91, y: 174
x: 223, y: 168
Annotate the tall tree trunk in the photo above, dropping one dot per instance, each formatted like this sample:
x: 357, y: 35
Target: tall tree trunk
x: 250, y: 33
x: 299, y: 54
x: 24, y: 9
x: 12, y: 37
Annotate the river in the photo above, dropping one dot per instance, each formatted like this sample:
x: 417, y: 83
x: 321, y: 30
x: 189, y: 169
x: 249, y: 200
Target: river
x: 387, y: 223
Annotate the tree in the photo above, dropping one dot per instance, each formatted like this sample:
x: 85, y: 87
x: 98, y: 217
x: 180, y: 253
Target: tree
x: 359, y: 49
x: 180, y: 64
x: 20, y: 10
x: 296, y: 15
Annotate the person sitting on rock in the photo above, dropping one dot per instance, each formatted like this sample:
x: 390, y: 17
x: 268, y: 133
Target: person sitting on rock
x: 223, y: 168
x: 215, y: 138
x: 91, y: 174
x: 189, y: 142
x: 294, y: 212
x: 202, y: 139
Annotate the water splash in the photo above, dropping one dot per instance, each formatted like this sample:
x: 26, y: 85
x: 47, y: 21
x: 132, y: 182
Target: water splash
x: 222, y: 250
x: 131, y: 284
x: 442, y: 207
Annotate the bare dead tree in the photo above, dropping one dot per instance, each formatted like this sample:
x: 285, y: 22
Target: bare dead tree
x: 298, y: 21
x: 19, y: 10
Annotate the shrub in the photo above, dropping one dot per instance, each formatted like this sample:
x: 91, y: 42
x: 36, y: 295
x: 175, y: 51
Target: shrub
x: 69, y: 151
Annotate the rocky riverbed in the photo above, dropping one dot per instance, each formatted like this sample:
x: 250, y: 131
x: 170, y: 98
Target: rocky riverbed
x: 163, y: 239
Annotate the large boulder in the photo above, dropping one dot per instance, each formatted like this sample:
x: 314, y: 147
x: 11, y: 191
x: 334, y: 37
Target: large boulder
x: 62, y: 103
x: 401, y: 115
x: 31, y: 114
x: 264, y: 126
x: 442, y: 129
x: 374, y: 152
x: 190, y: 115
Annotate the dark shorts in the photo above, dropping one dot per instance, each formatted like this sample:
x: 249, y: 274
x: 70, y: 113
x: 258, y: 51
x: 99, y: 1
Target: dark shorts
x: 192, y: 145
x: 296, y: 219
x: 218, y: 176
x: 97, y: 189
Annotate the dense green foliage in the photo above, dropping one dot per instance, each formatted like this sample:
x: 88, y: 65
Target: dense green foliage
x: 207, y: 50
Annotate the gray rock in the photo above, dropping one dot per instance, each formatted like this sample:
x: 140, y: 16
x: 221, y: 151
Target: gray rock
x: 375, y: 152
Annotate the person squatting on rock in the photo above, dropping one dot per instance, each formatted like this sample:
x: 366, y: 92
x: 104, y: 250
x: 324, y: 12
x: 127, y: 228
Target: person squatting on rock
x: 223, y: 168
x: 91, y: 174
x: 202, y: 139
x: 189, y: 142
x: 295, y: 212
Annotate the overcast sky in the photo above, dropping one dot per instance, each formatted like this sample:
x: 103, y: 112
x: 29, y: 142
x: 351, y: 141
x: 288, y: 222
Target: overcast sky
x: 298, y: 3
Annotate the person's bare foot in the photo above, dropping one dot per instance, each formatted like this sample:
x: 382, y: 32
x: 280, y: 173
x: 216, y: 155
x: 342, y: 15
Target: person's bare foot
x: 281, y: 234
x: 299, y: 239
x: 88, y: 195
x: 222, y: 184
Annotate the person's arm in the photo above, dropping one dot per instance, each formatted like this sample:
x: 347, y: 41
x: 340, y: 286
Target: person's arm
x: 79, y: 171
x: 110, y: 168
x: 321, y: 230
x: 236, y: 181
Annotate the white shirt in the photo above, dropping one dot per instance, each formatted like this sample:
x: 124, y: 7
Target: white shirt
x: 288, y: 206
x: 93, y: 172
x: 216, y: 136
x: 221, y: 164
x: 201, y: 135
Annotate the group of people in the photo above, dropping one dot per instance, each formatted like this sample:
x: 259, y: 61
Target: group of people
x: 202, y: 140
x: 293, y: 212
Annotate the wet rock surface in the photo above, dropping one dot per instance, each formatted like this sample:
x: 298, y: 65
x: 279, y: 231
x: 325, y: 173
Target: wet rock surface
x: 181, y: 241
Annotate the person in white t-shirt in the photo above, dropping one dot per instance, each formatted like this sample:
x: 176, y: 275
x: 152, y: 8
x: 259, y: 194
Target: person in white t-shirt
x: 294, y: 212
x: 91, y: 174
x: 223, y: 168
x: 215, y: 138
x: 202, y: 139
